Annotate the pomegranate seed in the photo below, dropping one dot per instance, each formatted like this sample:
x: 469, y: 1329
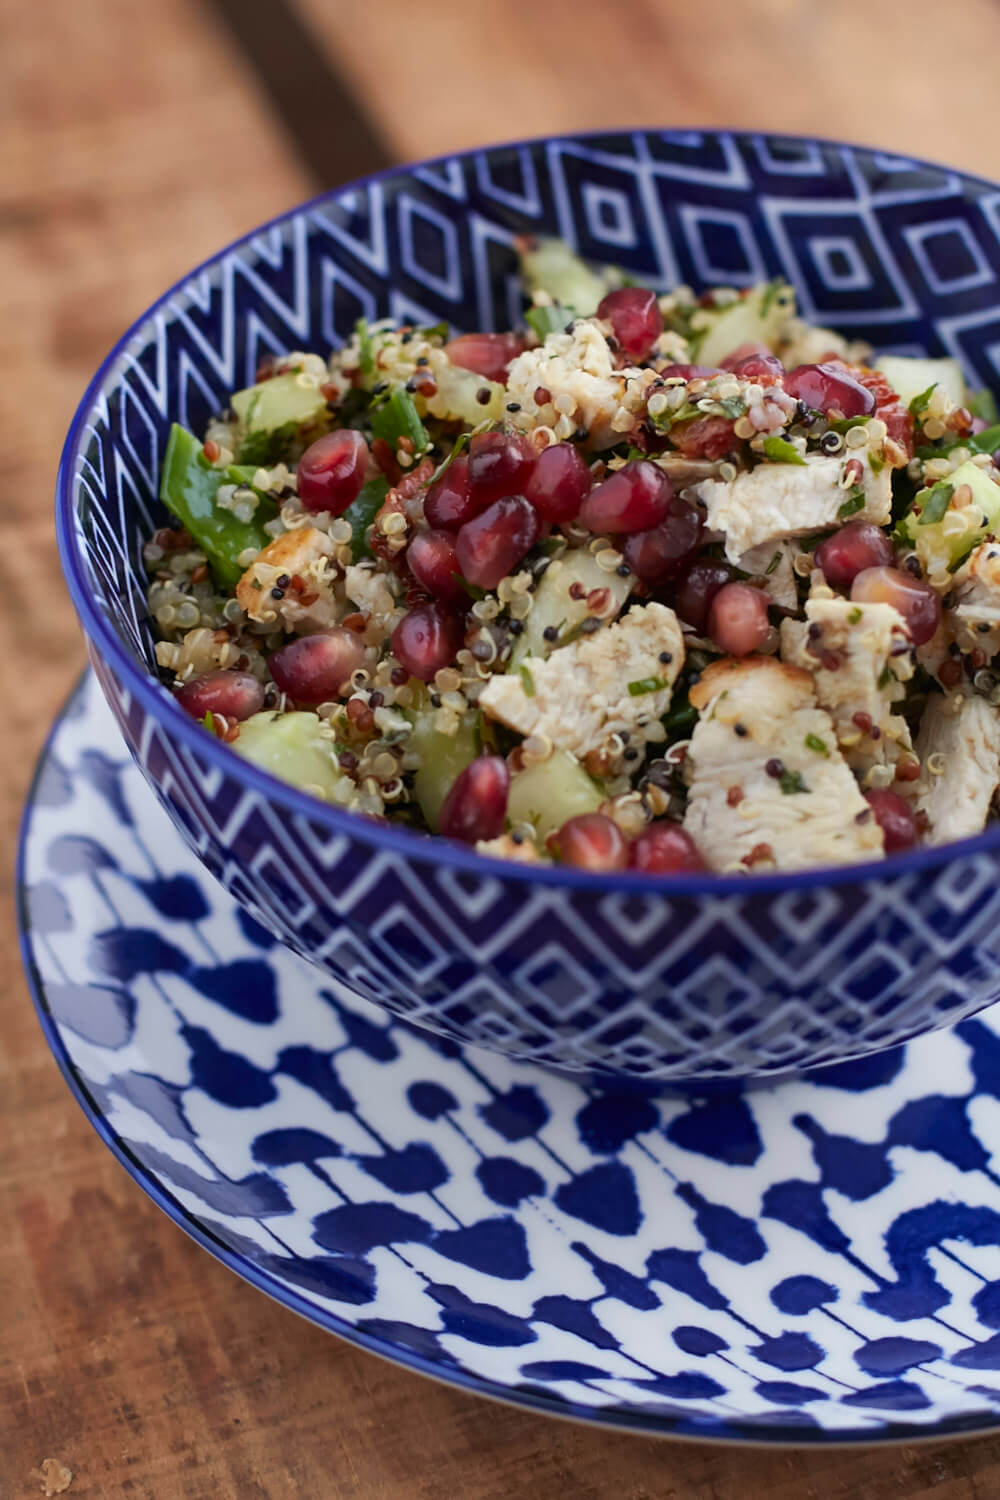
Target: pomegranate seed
x: 426, y: 639
x: 448, y: 504
x: 559, y: 483
x: 332, y: 470
x: 915, y: 600
x: 634, y: 498
x: 476, y: 806
x: 635, y: 319
x: 737, y: 619
x: 658, y: 554
x: 895, y: 817
x: 762, y: 366
x: 828, y: 388
x: 689, y: 372
x: 592, y: 841
x: 852, y: 549
x: 486, y: 354
x: 663, y: 848
x: 431, y: 559
x: 696, y: 590
x: 235, y: 695
x: 315, y: 668
x: 499, y: 465
x: 492, y: 544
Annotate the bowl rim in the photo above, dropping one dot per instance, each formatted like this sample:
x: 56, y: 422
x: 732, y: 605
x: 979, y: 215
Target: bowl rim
x: 157, y: 700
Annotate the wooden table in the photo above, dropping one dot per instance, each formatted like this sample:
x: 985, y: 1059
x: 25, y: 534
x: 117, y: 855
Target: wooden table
x: 134, y: 139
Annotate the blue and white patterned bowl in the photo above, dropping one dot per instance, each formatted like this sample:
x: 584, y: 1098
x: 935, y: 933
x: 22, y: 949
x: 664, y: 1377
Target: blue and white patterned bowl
x: 709, y: 977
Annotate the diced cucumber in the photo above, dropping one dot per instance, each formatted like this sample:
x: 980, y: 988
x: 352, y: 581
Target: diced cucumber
x: 443, y: 757
x: 549, y: 793
x: 553, y: 606
x: 936, y: 544
x: 551, y: 266
x: 284, y: 401
x: 291, y: 747
x: 910, y: 377
x: 457, y: 397
x: 757, y: 318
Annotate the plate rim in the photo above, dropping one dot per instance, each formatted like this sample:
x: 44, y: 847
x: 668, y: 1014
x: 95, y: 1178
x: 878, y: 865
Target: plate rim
x: 726, y: 1433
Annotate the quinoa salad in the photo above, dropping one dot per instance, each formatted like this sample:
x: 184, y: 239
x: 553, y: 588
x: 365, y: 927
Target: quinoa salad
x: 656, y: 582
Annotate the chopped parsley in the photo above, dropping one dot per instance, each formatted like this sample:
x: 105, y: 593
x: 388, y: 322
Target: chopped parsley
x: 813, y: 742
x: 855, y: 501
x: 987, y: 441
x: 853, y: 616
x: 527, y: 682
x: 646, y: 685
x: 771, y: 291
x: 791, y: 782
x: 395, y: 417
x: 780, y: 451
x: 920, y: 403
x: 772, y: 566
x: 546, y: 320
x: 937, y: 502
x: 876, y: 462
x: 886, y: 676
x: 844, y: 424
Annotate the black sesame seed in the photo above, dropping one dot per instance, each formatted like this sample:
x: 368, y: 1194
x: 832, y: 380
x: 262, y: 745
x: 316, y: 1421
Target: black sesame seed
x: 666, y: 657
x: 774, y: 767
x: 382, y: 385
x: 515, y: 626
x: 283, y: 580
x: 413, y: 384
x: 694, y: 679
x: 912, y: 565
x: 513, y: 406
x: 984, y: 627
x: 483, y: 395
x: 435, y: 700
x: 517, y: 838
x: 277, y: 593
x: 405, y: 338
x: 376, y: 700
x: 422, y: 362
x: 631, y: 753
x: 550, y: 633
x: 623, y: 570
x: 589, y: 626
x: 580, y: 435
x: 740, y: 730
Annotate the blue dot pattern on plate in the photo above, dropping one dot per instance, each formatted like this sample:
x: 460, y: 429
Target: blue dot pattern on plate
x: 819, y: 1259
x: 652, y: 984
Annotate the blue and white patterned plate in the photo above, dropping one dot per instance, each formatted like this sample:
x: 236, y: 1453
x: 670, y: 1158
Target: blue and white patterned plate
x: 815, y: 1261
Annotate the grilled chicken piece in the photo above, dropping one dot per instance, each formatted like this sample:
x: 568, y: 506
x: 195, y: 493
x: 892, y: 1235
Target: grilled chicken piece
x: 769, y: 788
x: 303, y: 553
x: 959, y: 748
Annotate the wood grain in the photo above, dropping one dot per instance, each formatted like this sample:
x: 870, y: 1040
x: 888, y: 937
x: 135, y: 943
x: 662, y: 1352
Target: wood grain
x: 133, y: 142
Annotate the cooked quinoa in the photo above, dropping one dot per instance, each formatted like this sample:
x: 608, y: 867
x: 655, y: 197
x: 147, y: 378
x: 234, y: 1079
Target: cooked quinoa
x: 664, y: 582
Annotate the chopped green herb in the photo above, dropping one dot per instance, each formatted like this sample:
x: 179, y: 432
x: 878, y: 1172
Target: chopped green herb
x: 920, y: 403
x: 853, y: 616
x: 396, y: 417
x: 937, y: 502
x: 732, y: 406
x: 987, y: 441
x: 550, y: 319
x: 982, y: 405
x: 667, y: 419
x: 434, y: 331
x: 781, y: 451
x: 886, y: 676
x: 876, y: 462
x: 791, y: 782
x: 855, y: 501
x: 813, y: 742
x: 208, y: 722
x: 773, y: 565
x: 366, y: 347
x: 362, y: 512
x: 646, y: 685
x: 682, y: 717
x: 527, y: 682
x: 259, y: 450
x: 846, y: 423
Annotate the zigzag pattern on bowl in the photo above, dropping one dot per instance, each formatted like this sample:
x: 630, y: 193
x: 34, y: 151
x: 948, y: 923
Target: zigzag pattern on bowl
x: 628, y: 981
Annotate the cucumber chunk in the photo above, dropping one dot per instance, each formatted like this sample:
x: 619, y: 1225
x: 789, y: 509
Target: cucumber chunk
x: 551, y: 266
x: 757, y: 318
x: 553, y: 607
x: 912, y: 377
x: 548, y: 794
x: 443, y: 757
x: 285, y: 401
x: 942, y: 543
x: 291, y: 747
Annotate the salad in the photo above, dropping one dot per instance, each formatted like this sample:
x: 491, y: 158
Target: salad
x: 662, y: 582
